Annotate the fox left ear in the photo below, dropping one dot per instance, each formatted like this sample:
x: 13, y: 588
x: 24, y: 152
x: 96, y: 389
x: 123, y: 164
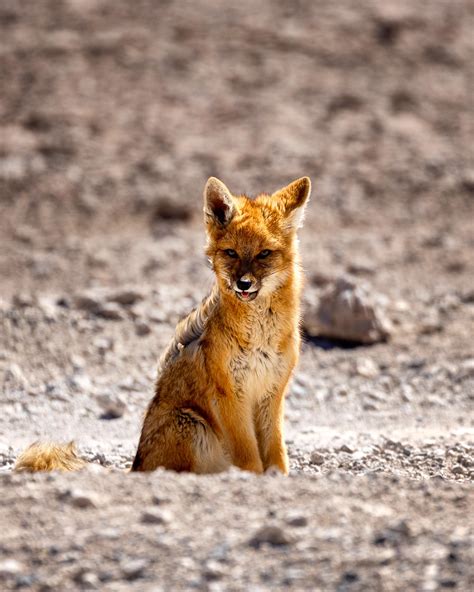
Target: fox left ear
x: 219, y: 206
x: 293, y: 199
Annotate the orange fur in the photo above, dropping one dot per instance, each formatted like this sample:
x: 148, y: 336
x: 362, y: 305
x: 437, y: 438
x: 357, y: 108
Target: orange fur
x: 219, y: 396
x: 49, y: 457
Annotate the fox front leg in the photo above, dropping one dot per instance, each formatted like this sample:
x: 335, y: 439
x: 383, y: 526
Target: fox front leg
x: 240, y: 439
x: 271, y: 442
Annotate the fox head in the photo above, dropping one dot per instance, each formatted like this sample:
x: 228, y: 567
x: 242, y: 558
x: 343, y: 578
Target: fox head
x: 252, y: 242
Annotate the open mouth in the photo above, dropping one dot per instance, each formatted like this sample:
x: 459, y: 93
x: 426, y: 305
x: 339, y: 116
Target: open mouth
x: 246, y: 296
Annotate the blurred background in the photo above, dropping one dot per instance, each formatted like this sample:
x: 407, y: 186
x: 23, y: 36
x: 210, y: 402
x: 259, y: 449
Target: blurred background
x: 112, y: 116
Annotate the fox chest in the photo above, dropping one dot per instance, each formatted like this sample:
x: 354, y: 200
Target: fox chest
x: 257, y: 373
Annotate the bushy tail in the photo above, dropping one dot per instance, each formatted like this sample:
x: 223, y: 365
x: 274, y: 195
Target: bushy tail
x: 42, y: 456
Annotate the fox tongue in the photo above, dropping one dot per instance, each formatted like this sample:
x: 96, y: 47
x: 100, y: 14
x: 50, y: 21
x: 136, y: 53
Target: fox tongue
x: 244, y: 294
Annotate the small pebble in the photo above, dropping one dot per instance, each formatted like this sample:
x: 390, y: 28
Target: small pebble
x: 271, y: 535
x: 156, y: 516
x: 345, y: 448
x: 23, y: 300
x: 213, y: 571
x: 126, y: 297
x: 367, y: 368
x: 103, y: 344
x: 82, y: 499
x: 298, y: 520
x: 109, y: 311
x: 86, y: 301
x: 10, y: 567
x: 142, y: 328
x: 317, y: 458
x: 134, y: 569
x: 80, y: 382
x: 113, y: 407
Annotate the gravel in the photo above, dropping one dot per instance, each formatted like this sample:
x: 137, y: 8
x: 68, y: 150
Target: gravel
x: 111, y: 119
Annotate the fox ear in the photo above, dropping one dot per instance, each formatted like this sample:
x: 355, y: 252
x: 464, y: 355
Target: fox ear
x: 293, y: 198
x: 218, y: 203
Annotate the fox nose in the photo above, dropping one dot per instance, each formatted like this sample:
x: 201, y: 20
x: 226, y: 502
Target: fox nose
x: 244, y: 284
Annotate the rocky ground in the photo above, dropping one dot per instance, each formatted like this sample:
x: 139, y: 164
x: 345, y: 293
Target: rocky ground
x: 112, y: 116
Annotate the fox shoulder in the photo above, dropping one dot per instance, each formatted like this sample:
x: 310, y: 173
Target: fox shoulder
x: 189, y: 328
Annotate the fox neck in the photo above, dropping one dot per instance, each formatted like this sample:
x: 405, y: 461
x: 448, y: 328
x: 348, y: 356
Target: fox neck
x: 283, y: 301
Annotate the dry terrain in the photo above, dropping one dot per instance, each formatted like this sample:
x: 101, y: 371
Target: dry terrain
x: 112, y: 116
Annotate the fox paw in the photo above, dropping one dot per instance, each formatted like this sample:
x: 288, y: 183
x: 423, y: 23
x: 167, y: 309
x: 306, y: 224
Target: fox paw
x: 275, y: 470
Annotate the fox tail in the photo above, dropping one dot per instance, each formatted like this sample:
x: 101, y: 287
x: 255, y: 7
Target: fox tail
x: 42, y: 456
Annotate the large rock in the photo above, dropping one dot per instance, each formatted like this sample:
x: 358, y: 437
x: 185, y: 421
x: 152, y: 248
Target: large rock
x: 348, y: 311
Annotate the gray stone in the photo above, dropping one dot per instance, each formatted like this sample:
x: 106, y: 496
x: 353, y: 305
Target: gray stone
x: 142, y: 328
x: 15, y: 374
x: 103, y: 344
x: 298, y: 520
x: 126, y: 297
x: 23, y: 300
x: 345, y: 448
x: 113, y: 405
x: 134, y: 569
x: 317, y: 458
x: 367, y: 368
x: 271, y: 535
x: 80, y: 382
x: 10, y: 568
x: 86, y: 301
x: 109, y: 311
x: 213, y: 571
x: 156, y: 516
x: 82, y: 499
x: 350, y: 312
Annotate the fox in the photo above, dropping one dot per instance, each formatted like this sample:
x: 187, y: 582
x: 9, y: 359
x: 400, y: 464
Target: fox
x: 220, y: 390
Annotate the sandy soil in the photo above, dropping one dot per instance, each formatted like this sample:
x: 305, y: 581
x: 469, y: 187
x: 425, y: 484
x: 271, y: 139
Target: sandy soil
x: 112, y: 116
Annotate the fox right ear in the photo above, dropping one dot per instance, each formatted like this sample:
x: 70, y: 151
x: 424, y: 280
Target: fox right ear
x: 218, y: 203
x: 293, y: 199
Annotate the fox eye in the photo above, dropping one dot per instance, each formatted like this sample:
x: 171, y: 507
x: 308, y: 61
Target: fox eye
x: 231, y: 253
x: 263, y: 254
